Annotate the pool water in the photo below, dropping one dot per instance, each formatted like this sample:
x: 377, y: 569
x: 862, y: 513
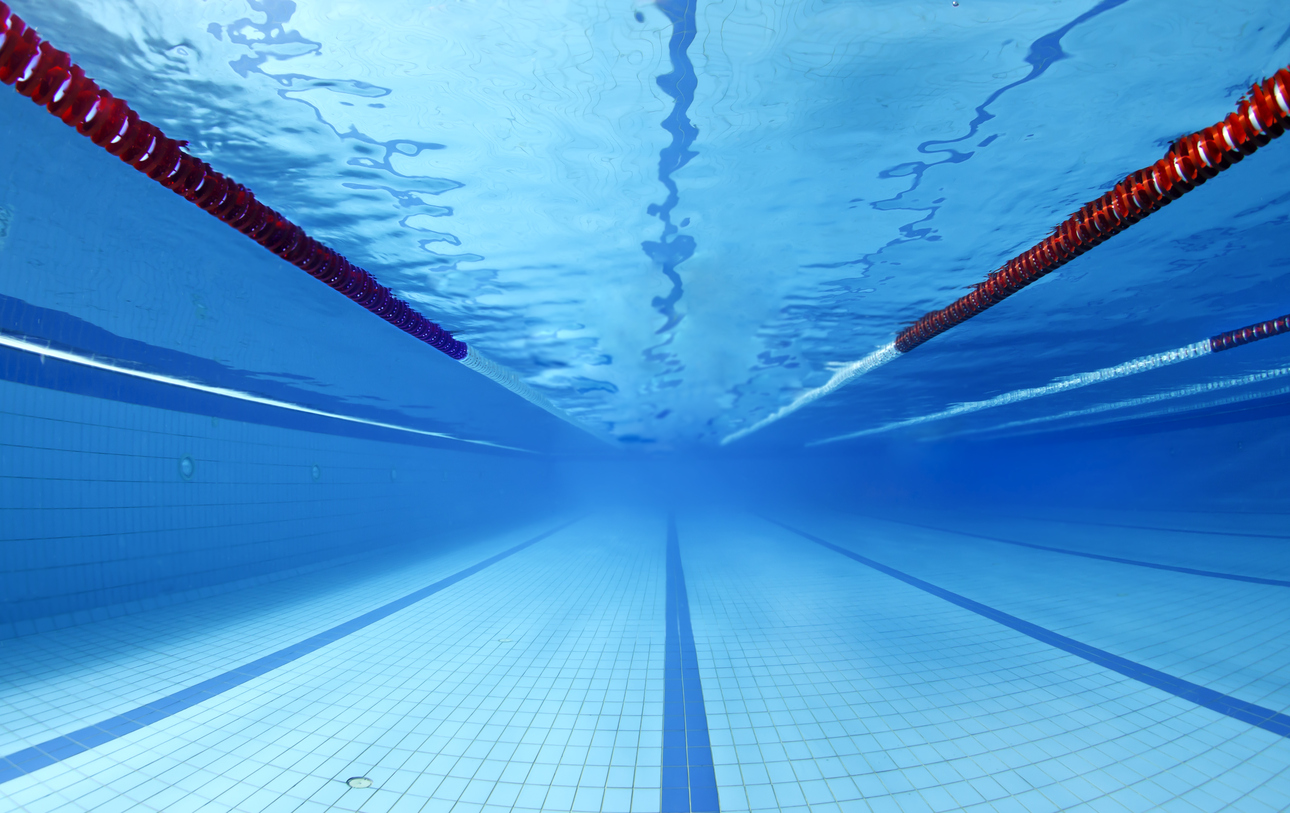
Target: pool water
x: 261, y: 552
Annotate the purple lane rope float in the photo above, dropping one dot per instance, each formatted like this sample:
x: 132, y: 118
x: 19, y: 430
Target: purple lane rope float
x: 49, y: 78
x: 1262, y: 115
x: 1206, y: 347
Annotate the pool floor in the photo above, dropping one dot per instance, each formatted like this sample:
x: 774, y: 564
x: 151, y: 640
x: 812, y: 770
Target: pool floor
x: 632, y: 661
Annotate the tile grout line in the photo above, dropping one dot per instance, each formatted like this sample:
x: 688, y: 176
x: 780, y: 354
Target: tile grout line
x: 1237, y: 709
x: 689, y: 781
x: 57, y: 749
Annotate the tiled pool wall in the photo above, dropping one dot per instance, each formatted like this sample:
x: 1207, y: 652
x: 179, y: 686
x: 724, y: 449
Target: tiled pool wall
x: 1237, y: 467
x: 109, y: 507
x: 99, y: 513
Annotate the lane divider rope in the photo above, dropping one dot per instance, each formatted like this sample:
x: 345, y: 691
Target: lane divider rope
x: 1262, y: 115
x: 49, y: 78
x: 1214, y: 344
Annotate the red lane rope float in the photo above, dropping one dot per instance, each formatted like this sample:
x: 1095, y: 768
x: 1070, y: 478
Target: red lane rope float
x: 49, y: 78
x: 1261, y: 116
x: 1246, y: 335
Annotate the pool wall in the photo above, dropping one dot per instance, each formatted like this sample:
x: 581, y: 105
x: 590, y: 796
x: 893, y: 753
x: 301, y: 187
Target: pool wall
x: 108, y: 507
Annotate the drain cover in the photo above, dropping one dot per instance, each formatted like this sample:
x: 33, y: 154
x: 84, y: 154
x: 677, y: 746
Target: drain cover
x: 358, y: 782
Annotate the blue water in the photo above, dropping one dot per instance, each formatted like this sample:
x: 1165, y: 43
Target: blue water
x: 255, y: 543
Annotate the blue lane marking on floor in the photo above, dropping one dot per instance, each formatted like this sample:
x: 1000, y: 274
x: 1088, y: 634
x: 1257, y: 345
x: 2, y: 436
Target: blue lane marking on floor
x: 1213, y: 574
x: 689, y: 781
x: 60, y: 748
x: 1255, y: 715
x: 1250, y: 534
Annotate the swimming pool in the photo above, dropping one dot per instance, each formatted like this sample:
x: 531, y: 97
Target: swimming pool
x: 719, y: 411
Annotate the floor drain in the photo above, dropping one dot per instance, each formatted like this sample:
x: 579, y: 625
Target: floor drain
x: 358, y: 782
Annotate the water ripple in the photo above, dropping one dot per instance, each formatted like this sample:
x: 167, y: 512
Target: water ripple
x: 672, y: 248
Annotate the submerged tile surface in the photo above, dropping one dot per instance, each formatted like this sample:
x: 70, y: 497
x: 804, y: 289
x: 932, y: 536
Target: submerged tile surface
x: 540, y: 682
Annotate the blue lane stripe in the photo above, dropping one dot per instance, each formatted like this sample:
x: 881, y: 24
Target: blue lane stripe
x: 1213, y: 574
x: 689, y: 781
x: 1255, y: 715
x: 60, y: 748
x: 1249, y: 534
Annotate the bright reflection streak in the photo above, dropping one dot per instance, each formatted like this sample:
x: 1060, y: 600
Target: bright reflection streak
x: 1138, y: 365
x: 17, y: 343
x: 1183, y: 392
x: 843, y: 374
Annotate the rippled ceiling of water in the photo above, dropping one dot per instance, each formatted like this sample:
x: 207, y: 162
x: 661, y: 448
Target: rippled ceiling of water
x: 674, y: 217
